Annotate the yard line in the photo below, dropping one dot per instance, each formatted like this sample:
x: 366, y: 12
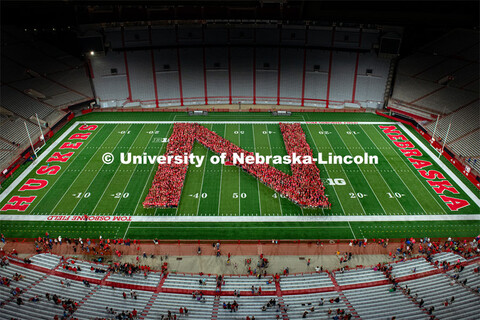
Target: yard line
x: 354, y: 237
x: 406, y: 185
x: 97, y: 170
x: 326, y: 171
x: 44, y: 154
x: 388, y: 186
x: 415, y: 174
x: 346, y: 175
x: 239, y: 178
x: 128, y: 227
x: 258, y: 183
x: 133, y: 171
x: 116, y: 171
x: 270, y: 146
x: 221, y: 177
x: 362, y: 173
x: 203, y: 177
x: 51, y: 187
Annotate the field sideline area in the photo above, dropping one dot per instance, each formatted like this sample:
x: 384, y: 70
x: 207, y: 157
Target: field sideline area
x: 391, y: 199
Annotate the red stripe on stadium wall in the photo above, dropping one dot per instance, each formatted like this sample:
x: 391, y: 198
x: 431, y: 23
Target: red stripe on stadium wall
x: 179, y: 68
x: 304, y: 65
x: 153, y: 65
x: 126, y: 65
x: 229, y: 70
x: 204, y: 67
x: 279, y: 69
x: 255, y: 67
x: 330, y: 66
x: 356, y: 66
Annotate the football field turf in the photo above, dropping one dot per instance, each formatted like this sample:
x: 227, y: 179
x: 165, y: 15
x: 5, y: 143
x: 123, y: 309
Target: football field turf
x: 390, y: 199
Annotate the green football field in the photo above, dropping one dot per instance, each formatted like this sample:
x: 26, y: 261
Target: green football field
x: 390, y: 199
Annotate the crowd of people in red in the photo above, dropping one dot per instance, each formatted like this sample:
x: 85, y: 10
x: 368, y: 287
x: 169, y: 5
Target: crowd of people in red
x: 304, y: 187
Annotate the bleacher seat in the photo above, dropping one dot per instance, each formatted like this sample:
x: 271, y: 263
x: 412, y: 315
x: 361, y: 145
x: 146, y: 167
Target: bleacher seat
x: 172, y: 302
x: 434, y: 290
x: 245, y: 283
x: 406, y: 268
x: 190, y: 282
x: 297, y: 304
x: 378, y: 303
x: 45, y: 260
x: 305, y: 281
x: 349, y: 277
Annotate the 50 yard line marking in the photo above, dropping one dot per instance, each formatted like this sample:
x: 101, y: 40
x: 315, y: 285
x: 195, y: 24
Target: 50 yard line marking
x: 239, y: 177
x: 221, y: 177
x: 258, y: 183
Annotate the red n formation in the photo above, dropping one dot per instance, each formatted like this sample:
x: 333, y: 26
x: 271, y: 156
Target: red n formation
x: 303, y: 187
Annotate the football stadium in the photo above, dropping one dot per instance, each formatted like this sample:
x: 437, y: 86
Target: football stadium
x: 268, y: 159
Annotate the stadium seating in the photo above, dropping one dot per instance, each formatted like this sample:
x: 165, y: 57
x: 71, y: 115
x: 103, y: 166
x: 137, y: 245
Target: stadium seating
x: 434, y: 290
x: 248, y: 306
x: 190, y: 282
x: 357, y: 276
x: 245, y: 283
x: 358, y: 291
x: 251, y: 70
x: 172, y: 302
x: 464, y: 135
x: 103, y: 296
x: 305, y: 281
x: 46, y: 260
x: 139, y: 279
x: 408, y: 267
x: 379, y: 303
x: 297, y: 304
x: 440, y: 77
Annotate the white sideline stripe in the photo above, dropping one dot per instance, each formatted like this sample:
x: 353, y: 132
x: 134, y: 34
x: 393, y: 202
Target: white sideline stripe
x: 37, y: 161
x: 451, y: 217
x: 442, y: 165
x: 236, y: 122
